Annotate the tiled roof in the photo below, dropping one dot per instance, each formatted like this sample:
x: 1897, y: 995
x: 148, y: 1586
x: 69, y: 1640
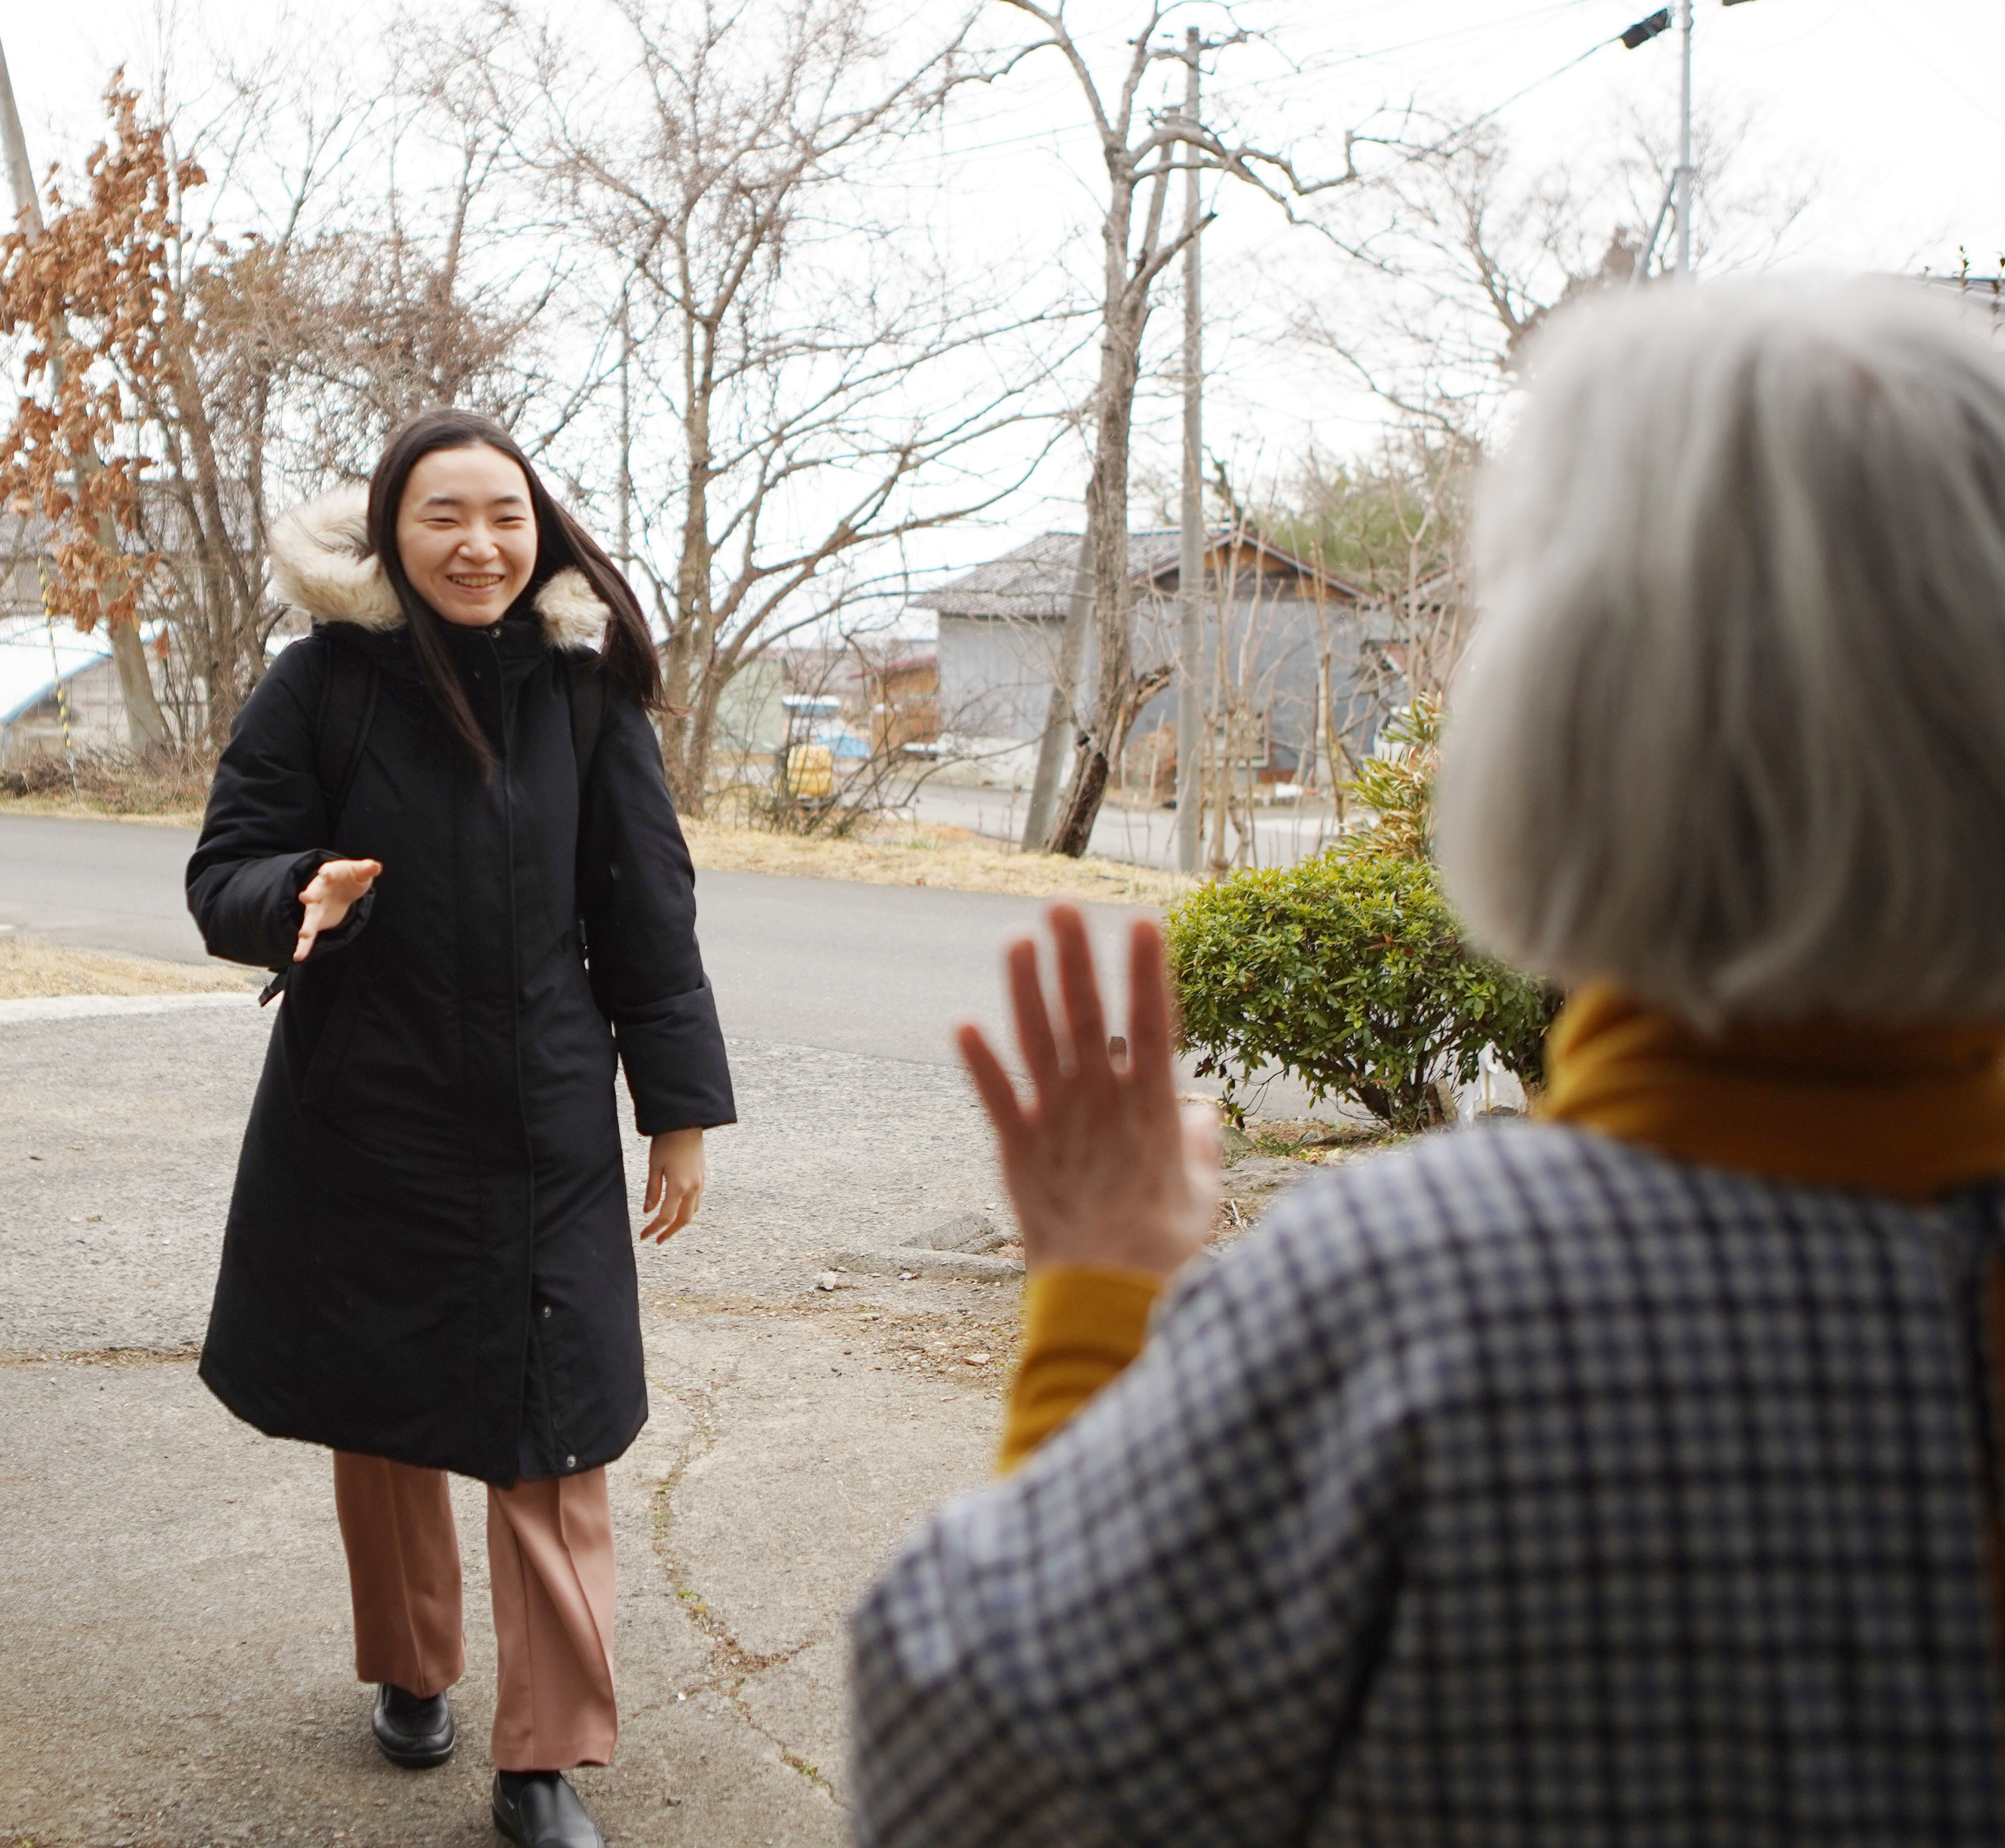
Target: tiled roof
x: 1034, y: 581
x: 163, y: 520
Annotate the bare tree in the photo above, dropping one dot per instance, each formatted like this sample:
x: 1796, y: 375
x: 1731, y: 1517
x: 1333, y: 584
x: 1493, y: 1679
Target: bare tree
x: 1455, y: 256
x: 291, y: 324
x: 1397, y: 528
x: 1140, y: 147
x: 832, y: 389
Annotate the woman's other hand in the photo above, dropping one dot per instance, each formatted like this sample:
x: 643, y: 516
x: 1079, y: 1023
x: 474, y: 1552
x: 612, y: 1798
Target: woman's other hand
x: 338, y: 885
x: 1102, y: 1166
x: 676, y: 1171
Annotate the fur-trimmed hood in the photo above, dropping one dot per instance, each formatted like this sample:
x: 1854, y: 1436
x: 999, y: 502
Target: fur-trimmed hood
x: 318, y: 566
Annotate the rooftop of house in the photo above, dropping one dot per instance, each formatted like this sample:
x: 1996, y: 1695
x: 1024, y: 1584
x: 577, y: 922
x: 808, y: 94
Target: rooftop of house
x: 36, y: 654
x: 1034, y: 582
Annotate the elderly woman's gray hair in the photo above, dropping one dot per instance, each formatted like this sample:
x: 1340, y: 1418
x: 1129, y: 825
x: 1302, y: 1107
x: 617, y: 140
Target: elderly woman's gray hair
x: 1732, y: 730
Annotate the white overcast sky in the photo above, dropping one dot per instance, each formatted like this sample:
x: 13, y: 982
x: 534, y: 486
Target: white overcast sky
x: 1894, y: 108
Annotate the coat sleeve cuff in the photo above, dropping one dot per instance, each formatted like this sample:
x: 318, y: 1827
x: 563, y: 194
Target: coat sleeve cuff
x: 673, y: 1052
x: 1083, y: 1324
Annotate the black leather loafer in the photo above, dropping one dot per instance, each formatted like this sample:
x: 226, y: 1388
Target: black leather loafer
x: 413, y: 1732
x: 540, y: 1810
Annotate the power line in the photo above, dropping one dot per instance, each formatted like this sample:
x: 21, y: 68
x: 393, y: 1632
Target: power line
x: 1350, y: 57
x: 1295, y: 75
x: 1631, y: 38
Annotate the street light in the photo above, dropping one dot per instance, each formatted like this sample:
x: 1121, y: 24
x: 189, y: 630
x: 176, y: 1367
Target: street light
x: 1678, y: 193
x: 1644, y: 30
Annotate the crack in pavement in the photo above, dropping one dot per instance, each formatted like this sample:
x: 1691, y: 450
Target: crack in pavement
x: 732, y: 1664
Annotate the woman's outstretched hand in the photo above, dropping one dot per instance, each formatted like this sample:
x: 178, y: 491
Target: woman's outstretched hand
x: 676, y: 1172
x: 1103, y: 1167
x: 338, y: 885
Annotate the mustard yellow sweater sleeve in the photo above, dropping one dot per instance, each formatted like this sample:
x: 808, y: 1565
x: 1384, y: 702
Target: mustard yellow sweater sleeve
x: 1082, y: 1324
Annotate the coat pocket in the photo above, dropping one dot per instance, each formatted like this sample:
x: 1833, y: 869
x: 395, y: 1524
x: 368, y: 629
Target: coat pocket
x: 330, y: 1052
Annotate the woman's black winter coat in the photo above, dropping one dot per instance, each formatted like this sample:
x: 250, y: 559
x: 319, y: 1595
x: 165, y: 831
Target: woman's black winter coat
x: 428, y: 1256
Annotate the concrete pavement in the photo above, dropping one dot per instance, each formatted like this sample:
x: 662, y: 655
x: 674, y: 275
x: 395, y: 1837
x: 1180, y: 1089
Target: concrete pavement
x: 176, y: 1638
x: 175, y: 1665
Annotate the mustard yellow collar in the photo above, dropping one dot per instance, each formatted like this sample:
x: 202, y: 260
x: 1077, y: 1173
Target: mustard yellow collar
x: 1914, y: 1112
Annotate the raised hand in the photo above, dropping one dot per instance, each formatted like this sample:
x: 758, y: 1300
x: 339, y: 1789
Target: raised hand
x: 1102, y: 1166
x: 329, y: 894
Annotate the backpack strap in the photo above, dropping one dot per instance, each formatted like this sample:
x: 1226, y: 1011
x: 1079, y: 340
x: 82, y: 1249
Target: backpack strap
x: 584, y: 690
x: 341, y: 729
x: 347, y: 705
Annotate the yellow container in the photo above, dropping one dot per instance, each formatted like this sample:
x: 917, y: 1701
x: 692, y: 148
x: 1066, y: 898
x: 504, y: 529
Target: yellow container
x: 810, y: 771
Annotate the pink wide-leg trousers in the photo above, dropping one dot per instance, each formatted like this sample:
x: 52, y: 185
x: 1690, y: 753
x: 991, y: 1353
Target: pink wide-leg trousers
x: 549, y: 1554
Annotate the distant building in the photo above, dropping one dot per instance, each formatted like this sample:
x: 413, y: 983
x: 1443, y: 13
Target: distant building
x: 903, y: 695
x: 751, y: 723
x: 49, y: 674
x: 30, y: 711
x: 1000, y: 626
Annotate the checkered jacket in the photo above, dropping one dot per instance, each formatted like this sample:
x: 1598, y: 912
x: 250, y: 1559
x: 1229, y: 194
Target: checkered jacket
x: 1520, y: 1489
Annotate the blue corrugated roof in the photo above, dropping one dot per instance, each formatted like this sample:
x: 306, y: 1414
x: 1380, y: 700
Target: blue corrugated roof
x: 35, y: 653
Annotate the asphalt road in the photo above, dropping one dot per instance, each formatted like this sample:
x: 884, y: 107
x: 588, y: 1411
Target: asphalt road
x: 884, y: 971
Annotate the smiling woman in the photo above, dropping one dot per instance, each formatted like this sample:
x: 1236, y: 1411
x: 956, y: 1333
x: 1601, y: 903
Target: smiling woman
x: 467, y: 534
x: 428, y: 1265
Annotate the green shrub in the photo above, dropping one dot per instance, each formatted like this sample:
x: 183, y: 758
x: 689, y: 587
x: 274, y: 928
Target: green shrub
x: 1348, y: 972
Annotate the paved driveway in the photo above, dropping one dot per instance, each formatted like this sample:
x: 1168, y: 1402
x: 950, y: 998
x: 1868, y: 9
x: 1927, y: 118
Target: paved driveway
x: 174, y: 1652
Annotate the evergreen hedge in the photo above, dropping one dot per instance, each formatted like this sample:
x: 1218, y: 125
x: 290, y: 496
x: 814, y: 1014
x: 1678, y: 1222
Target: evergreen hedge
x: 1349, y: 972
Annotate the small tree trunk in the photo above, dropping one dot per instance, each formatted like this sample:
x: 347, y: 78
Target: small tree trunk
x: 1125, y: 311
x: 145, y: 724
x: 1089, y: 784
x: 1063, y: 720
x: 1106, y: 535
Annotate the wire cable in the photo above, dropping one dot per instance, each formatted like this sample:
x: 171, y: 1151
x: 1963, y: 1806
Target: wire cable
x: 1540, y: 82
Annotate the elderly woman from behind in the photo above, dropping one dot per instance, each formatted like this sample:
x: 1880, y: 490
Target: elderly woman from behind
x: 1630, y: 1477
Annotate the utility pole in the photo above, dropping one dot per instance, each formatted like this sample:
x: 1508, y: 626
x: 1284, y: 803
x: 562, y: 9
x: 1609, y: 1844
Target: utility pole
x: 626, y: 442
x: 1682, y: 179
x: 1190, y: 556
x: 145, y: 724
x: 20, y: 176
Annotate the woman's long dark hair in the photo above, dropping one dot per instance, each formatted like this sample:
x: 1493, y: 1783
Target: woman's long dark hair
x: 627, y: 652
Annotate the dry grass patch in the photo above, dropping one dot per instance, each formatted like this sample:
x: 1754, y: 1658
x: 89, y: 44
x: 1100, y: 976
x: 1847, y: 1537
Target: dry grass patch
x: 91, y: 808
x: 169, y: 791
x: 32, y: 970
x: 950, y: 859
x: 887, y: 853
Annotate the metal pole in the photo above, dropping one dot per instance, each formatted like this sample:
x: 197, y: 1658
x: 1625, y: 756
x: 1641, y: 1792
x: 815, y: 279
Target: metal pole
x: 1683, y: 179
x: 625, y: 443
x: 20, y: 176
x: 1190, y: 556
